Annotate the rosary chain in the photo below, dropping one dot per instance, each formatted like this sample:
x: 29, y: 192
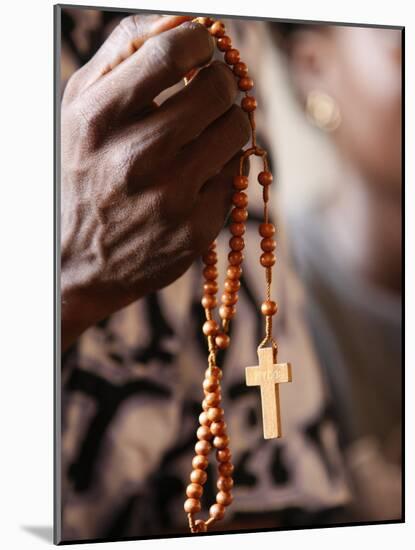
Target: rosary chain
x: 212, y: 431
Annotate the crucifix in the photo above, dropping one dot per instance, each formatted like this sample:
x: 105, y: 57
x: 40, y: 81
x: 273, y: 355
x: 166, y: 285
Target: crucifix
x: 268, y: 375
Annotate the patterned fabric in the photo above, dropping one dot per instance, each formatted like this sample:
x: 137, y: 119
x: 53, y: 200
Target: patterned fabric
x: 132, y: 392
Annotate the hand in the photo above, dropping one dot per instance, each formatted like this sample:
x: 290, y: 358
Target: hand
x: 144, y: 188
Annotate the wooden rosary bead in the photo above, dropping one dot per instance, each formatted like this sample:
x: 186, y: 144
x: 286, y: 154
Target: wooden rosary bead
x: 265, y: 178
x: 240, y: 199
x: 240, y: 182
x: 214, y: 371
x: 229, y: 298
x: 194, y: 490
x: 248, y: 104
x: 237, y: 229
x: 232, y: 285
x: 221, y: 441
x: 217, y: 29
x: 203, y: 433
x: 215, y: 414
x: 201, y: 526
x: 227, y: 312
x: 218, y: 427
x: 222, y: 340
x: 200, y: 462
x: 210, y: 287
x: 267, y: 259
x: 205, y: 21
x: 210, y: 272
x: 245, y: 83
x: 232, y: 56
x: 210, y: 328
x: 239, y: 214
x: 224, y: 497
x: 205, y: 406
x: 268, y: 244
x: 240, y: 69
x: 224, y: 483
x: 203, y: 419
x: 226, y: 469
x: 203, y: 447
x: 266, y: 229
x: 209, y: 301
x: 224, y: 43
x: 269, y: 308
x: 213, y: 399
x: 198, y: 476
x: 223, y: 455
x: 192, y: 506
x: 216, y: 390
x: 217, y: 511
x: 234, y: 272
x: 237, y: 243
x: 235, y: 258
x: 210, y: 257
x: 210, y: 384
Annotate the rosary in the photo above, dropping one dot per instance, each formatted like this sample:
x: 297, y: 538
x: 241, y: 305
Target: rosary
x: 212, y: 429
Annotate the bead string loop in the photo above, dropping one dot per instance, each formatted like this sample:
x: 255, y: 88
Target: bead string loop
x: 212, y: 431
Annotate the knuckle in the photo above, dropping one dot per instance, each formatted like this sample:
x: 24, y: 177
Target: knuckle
x: 194, y: 237
x: 200, y: 235
x: 89, y: 121
x: 76, y: 84
x: 220, y: 85
x: 166, y: 53
x: 238, y: 127
x: 129, y: 25
x: 72, y: 88
x: 162, y: 138
x: 170, y: 199
x: 180, y: 49
x: 135, y: 25
x: 201, y: 42
x: 160, y: 204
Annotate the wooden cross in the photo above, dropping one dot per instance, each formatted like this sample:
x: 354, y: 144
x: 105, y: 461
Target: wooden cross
x: 268, y: 376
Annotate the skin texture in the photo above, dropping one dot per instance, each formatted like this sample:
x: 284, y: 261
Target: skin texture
x: 145, y: 188
x: 361, y: 69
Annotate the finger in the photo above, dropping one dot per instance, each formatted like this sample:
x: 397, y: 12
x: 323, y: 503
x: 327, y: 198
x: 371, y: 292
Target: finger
x: 190, y: 111
x: 207, y: 155
x: 127, y: 37
x: 212, y: 206
x: 181, y: 118
x: 159, y: 63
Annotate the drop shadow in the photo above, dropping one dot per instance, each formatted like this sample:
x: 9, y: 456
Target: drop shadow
x: 44, y: 532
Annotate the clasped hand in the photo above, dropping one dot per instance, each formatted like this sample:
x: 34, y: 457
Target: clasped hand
x: 144, y: 188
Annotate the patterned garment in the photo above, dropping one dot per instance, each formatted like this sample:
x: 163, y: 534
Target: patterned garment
x: 132, y: 392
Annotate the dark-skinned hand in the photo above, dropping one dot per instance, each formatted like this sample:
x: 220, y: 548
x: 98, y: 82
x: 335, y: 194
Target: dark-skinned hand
x: 144, y: 188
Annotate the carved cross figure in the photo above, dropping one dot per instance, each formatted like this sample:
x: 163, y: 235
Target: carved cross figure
x: 268, y: 376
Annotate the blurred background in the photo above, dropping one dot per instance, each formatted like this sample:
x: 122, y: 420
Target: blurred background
x: 330, y: 116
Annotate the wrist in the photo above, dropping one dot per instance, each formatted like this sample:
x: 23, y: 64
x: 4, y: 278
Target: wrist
x: 84, y: 305
x: 75, y: 314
